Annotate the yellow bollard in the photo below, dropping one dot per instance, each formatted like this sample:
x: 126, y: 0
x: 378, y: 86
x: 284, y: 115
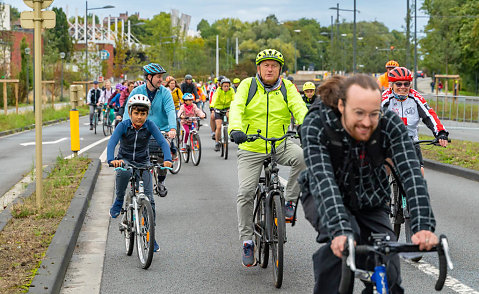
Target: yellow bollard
x: 75, y: 131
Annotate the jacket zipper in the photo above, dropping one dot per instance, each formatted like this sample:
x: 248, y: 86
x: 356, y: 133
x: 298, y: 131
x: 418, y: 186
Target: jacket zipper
x: 267, y: 119
x: 134, y: 144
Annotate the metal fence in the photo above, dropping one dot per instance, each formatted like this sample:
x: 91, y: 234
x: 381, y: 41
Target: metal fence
x: 456, y: 108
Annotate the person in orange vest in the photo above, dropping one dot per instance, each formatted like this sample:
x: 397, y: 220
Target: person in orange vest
x: 383, y: 81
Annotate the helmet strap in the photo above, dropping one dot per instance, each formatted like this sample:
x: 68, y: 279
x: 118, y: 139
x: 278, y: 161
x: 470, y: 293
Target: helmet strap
x: 150, y: 80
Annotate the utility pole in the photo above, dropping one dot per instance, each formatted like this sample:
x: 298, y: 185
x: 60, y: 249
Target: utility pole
x: 354, y: 39
x: 415, y: 44
x: 217, y: 58
x: 408, y: 35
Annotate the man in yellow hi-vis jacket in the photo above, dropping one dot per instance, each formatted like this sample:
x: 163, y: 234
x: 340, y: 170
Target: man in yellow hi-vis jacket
x: 268, y: 109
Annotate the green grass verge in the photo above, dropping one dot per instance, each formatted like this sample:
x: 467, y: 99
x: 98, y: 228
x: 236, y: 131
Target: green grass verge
x: 458, y: 152
x: 15, y: 121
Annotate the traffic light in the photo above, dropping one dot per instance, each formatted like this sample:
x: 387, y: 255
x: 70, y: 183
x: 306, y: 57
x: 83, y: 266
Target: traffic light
x: 392, y: 48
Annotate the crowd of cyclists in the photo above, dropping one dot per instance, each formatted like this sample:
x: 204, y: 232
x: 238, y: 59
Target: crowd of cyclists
x: 367, y: 120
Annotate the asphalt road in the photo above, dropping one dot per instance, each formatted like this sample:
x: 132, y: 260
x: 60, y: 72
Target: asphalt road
x: 200, y: 251
x: 17, y: 159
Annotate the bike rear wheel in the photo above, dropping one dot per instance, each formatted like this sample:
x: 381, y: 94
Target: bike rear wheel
x: 262, y: 247
x: 145, y: 235
x: 225, y: 141
x: 277, y: 228
x: 195, y: 149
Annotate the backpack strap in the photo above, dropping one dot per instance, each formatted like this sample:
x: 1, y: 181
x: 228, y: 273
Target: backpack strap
x: 254, y: 87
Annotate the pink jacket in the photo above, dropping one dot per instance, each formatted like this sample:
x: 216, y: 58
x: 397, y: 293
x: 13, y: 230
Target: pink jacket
x: 195, y: 111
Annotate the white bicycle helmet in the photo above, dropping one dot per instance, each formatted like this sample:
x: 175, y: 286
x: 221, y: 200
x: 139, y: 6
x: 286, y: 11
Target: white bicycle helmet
x: 139, y: 99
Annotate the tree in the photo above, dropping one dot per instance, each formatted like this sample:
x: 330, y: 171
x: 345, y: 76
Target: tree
x: 22, y: 75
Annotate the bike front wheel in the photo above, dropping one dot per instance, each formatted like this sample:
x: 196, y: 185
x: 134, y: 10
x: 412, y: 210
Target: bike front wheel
x: 195, y: 149
x: 277, y: 230
x: 262, y: 247
x: 176, y: 163
x: 105, y: 127
x: 95, y: 122
x: 128, y: 232
x: 145, y: 235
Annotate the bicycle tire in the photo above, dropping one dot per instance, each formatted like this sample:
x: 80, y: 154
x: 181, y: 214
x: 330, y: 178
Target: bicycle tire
x: 176, y: 164
x: 105, y: 127
x: 225, y: 141
x: 186, y: 155
x: 277, y: 229
x: 195, y: 149
x: 222, y: 146
x: 95, y: 120
x: 347, y: 278
x: 262, y: 247
x: 155, y: 181
x: 128, y: 233
x: 145, y: 235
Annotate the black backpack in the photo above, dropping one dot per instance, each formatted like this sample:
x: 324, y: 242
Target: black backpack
x: 341, y: 167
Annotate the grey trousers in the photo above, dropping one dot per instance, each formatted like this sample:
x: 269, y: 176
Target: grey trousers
x: 249, y: 170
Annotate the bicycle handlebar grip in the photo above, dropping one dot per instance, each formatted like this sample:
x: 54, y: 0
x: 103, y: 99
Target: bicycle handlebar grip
x: 442, y: 264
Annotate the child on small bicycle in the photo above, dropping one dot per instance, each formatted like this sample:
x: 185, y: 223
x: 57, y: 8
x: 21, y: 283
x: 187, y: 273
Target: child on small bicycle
x: 188, y: 109
x: 134, y: 135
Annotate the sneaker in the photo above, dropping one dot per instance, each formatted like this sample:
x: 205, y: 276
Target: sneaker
x: 91, y: 127
x: 289, y: 207
x: 116, y: 208
x: 157, y: 247
x: 248, y: 254
x: 162, y: 191
x: 213, y: 136
x: 217, y: 146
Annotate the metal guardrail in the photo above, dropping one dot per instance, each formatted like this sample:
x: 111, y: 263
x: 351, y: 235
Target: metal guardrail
x: 457, y: 108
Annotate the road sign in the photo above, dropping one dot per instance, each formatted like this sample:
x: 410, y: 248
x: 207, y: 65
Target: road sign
x: 48, y: 16
x: 45, y: 3
x: 104, y: 54
x: 100, y: 78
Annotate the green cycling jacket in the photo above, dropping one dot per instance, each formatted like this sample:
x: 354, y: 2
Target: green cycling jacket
x: 267, y: 111
x: 222, y: 99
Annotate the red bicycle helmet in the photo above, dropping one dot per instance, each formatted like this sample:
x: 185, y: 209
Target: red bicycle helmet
x: 399, y: 74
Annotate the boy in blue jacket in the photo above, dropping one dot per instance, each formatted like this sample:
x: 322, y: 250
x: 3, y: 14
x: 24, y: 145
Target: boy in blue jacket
x: 133, y: 135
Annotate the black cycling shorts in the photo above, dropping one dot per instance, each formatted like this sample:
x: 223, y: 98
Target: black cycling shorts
x: 219, y: 115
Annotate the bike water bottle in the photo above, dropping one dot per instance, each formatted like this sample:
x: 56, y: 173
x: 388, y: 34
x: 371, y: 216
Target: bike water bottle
x: 380, y: 280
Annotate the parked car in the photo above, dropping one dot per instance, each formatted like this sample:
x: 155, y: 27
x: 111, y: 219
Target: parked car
x: 420, y: 74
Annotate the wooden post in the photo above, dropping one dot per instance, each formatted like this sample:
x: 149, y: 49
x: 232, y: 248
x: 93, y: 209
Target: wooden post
x: 5, y: 98
x: 53, y: 95
x: 16, y: 96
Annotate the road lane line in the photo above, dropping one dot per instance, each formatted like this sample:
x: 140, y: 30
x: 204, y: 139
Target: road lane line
x: 451, y: 282
x: 45, y: 143
x: 89, y: 146
x: 103, y: 155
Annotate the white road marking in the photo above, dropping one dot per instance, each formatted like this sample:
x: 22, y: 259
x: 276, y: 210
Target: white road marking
x: 89, y: 146
x: 45, y: 143
x: 451, y: 282
x: 103, y: 156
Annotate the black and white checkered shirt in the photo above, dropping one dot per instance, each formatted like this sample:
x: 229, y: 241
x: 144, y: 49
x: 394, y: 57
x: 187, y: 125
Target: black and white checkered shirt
x: 371, y: 187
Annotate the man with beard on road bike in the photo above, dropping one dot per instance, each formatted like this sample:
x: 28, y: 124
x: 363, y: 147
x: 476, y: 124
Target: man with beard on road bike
x: 346, y: 139
x: 270, y: 111
x: 162, y: 111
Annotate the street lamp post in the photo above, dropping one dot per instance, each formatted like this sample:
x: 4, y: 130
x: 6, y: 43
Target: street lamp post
x: 62, y: 56
x: 295, y: 58
x: 86, y: 37
x: 354, y: 28
x: 27, y: 52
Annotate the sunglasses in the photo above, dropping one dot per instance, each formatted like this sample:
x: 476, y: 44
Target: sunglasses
x: 405, y: 84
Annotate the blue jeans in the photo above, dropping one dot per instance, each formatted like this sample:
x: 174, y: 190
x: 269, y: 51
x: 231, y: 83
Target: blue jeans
x: 122, y: 180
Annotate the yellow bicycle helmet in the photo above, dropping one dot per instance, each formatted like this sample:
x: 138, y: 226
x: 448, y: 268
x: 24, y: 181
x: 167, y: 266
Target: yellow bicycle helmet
x: 270, y: 54
x: 392, y: 63
x: 236, y: 81
x: 309, y: 86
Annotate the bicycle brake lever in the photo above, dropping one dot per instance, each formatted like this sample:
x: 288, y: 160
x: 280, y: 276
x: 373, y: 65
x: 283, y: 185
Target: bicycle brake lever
x: 445, y: 246
x: 351, y: 259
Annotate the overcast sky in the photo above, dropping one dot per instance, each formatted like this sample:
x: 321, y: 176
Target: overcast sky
x: 390, y: 12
